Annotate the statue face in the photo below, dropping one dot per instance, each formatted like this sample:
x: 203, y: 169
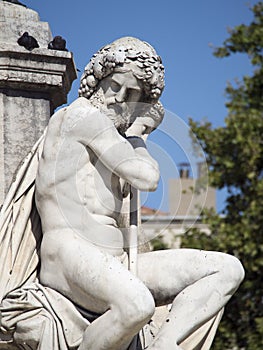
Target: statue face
x: 122, y: 92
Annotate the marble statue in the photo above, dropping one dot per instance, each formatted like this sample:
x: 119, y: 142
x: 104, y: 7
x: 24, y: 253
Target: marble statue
x: 64, y: 209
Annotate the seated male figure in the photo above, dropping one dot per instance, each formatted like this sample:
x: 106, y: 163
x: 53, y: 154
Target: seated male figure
x: 79, y: 195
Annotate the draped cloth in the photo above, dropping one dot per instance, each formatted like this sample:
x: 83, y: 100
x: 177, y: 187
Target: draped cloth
x: 38, y: 317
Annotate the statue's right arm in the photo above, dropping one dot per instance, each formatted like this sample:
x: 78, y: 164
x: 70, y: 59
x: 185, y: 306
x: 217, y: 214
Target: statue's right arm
x: 96, y: 131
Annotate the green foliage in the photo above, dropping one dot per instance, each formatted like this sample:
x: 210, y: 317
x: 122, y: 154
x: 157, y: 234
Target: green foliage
x: 158, y: 244
x: 235, y: 160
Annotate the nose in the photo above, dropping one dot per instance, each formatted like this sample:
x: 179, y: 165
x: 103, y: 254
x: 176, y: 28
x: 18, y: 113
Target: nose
x: 121, y: 95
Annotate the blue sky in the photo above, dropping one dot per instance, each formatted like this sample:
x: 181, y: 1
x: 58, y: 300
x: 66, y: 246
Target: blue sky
x: 182, y: 33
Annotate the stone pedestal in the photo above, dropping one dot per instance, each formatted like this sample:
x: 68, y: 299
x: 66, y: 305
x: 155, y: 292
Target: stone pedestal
x: 32, y: 84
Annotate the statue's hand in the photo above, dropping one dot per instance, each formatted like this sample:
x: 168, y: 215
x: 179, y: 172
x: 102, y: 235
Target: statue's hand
x: 144, y: 125
x: 126, y: 189
x: 138, y: 128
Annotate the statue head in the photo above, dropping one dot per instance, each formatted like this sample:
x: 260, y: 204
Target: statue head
x: 129, y: 54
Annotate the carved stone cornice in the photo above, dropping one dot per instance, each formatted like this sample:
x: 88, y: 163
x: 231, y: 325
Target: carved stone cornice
x: 42, y: 70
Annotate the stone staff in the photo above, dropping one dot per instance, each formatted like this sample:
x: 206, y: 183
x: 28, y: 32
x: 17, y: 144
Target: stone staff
x: 133, y: 230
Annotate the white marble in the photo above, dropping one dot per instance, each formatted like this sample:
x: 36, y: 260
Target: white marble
x: 80, y: 170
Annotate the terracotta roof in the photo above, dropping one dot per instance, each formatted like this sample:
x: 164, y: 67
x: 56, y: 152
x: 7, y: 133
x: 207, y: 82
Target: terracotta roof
x: 151, y: 211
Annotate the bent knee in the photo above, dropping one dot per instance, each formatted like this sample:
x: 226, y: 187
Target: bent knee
x: 137, y: 309
x: 233, y: 273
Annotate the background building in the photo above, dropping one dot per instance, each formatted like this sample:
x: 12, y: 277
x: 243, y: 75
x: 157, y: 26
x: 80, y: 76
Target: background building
x: 187, y: 197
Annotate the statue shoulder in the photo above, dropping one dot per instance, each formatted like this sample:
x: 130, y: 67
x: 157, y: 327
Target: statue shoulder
x: 79, y: 103
x: 81, y: 117
x: 78, y: 110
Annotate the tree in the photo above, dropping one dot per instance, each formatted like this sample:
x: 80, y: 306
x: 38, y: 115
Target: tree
x: 235, y: 160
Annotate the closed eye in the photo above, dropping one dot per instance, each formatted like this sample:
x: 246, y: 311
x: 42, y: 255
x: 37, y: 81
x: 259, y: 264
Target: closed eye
x: 115, y: 87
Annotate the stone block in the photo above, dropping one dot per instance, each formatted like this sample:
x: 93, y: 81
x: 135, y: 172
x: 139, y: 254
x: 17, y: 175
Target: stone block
x: 32, y: 84
x: 15, y: 20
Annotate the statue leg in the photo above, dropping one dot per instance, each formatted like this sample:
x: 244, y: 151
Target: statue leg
x: 98, y: 282
x: 197, y: 283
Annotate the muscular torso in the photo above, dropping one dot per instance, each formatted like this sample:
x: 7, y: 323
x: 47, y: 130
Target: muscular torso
x: 74, y: 190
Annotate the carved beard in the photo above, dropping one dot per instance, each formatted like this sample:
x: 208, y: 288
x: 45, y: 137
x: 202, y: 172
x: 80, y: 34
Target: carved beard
x: 119, y: 117
x: 119, y: 114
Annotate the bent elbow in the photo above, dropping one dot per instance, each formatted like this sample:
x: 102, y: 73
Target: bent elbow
x: 153, y: 183
x: 144, y: 176
x: 150, y: 182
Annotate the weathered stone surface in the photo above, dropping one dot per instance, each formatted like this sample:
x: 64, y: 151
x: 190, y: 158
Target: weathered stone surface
x: 32, y: 85
x: 50, y: 72
x: 15, y: 20
x: 67, y: 197
x: 23, y: 119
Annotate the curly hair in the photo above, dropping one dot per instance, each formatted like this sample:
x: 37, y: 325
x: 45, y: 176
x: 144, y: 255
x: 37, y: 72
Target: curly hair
x: 122, y: 52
